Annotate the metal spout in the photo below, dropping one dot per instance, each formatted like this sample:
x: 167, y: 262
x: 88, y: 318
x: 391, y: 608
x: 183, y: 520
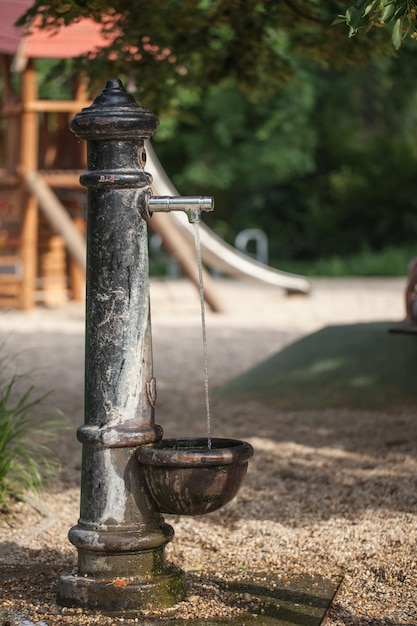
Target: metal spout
x: 193, y: 206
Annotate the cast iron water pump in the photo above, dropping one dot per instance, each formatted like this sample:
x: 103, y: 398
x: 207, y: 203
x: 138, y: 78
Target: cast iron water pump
x: 121, y: 534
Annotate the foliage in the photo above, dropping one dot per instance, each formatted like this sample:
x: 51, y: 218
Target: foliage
x: 400, y: 14
x: 226, y: 138
x: 263, y: 104
x: 24, y: 455
x: 325, y: 168
x: 391, y: 261
x: 158, y: 47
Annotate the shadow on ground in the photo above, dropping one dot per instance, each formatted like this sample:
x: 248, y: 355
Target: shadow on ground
x: 356, y: 366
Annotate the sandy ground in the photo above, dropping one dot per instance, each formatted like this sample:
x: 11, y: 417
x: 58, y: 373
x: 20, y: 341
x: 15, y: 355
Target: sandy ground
x: 326, y: 492
x: 257, y: 321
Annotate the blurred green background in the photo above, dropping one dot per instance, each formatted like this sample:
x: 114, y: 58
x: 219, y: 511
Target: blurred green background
x: 293, y: 127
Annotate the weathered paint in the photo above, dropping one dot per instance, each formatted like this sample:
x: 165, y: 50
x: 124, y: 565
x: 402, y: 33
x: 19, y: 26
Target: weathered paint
x: 120, y: 531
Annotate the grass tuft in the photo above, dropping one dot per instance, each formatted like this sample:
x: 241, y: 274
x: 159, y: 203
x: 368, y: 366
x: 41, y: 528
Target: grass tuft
x: 26, y: 459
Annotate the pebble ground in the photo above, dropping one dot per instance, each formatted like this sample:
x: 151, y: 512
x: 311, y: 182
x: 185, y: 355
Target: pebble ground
x: 327, y: 492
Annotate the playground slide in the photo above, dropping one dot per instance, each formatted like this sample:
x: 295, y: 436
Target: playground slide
x: 216, y: 253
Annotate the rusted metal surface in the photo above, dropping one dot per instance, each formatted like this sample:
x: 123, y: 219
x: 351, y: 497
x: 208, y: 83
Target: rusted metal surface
x: 196, y: 452
x: 186, y: 477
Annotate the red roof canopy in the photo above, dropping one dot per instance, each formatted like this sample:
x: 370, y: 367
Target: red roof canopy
x: 70, y: 41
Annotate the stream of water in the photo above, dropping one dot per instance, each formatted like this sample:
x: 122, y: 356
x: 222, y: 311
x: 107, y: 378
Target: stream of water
x: 203, y: 327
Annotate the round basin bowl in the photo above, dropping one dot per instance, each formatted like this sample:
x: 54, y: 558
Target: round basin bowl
x: 186, y: 477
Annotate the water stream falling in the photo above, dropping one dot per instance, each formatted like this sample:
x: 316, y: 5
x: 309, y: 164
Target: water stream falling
x: 203, y: 326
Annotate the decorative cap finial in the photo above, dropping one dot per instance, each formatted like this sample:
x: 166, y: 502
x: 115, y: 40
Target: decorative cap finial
x: 114, y: 114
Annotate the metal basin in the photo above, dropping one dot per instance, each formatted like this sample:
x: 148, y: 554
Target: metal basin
x: 185, y: 477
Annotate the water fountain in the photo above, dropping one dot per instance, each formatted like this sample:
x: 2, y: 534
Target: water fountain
x: 130, y: 474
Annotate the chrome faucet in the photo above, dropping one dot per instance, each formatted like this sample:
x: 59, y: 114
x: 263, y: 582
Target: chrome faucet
x: 193, y: 206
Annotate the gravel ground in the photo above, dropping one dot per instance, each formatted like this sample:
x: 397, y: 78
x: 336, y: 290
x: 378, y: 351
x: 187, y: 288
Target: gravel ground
x: 326, y: 492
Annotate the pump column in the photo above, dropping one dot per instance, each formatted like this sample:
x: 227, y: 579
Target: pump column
x: 120, y: 534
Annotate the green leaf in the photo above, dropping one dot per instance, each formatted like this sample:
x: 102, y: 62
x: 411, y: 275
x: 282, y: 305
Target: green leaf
x: 388, y: 12
x: 397, y: 33
x: 340, y: 19
x: 371, y: 7
x: 353, y: 17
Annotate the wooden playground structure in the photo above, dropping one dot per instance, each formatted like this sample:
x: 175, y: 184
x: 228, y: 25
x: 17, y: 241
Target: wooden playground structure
x: 42, y: 247
x: 42, y: 221
x: 40, y: 163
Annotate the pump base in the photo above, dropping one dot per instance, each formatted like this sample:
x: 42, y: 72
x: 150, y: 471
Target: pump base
x: 121, y: 595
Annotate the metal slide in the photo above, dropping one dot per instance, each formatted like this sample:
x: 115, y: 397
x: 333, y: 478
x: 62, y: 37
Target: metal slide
x: 216, y: 253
